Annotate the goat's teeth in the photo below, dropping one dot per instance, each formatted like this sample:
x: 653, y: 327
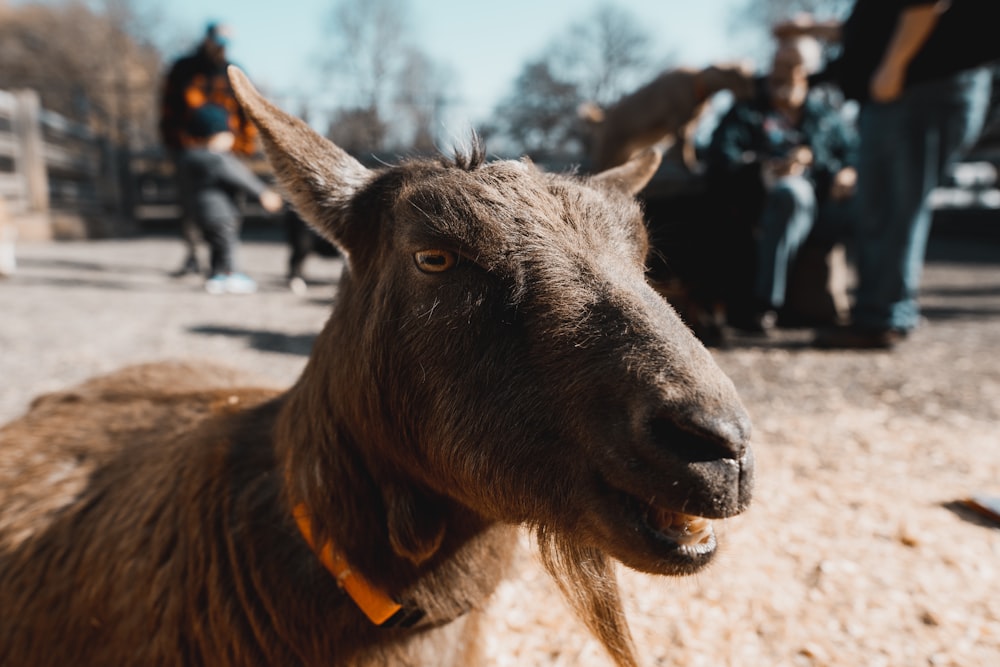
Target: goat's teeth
x: 685, y: 529
x: 694, y: 524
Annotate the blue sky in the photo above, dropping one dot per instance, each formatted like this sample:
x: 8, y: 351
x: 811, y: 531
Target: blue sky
x: 484, y: 42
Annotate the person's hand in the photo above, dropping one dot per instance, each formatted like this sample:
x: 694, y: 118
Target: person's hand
x: 801, y: 155
x: 887, y: 83
x: 844, y: 183
x: 777, y: 168
x: 794, y: 164
x: 271, y: 201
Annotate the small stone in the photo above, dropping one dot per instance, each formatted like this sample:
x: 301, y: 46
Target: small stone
x: 928, y: 617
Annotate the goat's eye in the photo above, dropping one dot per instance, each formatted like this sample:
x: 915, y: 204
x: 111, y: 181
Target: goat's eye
x: 435, y: 261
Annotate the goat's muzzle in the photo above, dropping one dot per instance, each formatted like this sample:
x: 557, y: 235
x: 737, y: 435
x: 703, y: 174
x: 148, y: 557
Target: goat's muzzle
x: 683, y: 468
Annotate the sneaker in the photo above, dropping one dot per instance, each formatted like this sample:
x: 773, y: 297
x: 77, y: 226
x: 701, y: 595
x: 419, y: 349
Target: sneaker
x: 298, y: 286
x: 756, y: 323
x: 216, y: 284
x: 238, y: 283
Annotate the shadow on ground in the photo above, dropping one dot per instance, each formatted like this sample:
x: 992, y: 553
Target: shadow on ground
x: 94, y: 267
x: 265, y: 341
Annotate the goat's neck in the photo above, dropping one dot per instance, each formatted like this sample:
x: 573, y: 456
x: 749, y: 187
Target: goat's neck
x: 415, y: 545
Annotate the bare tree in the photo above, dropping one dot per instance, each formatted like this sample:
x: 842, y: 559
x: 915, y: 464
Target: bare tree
x: 359, y: 131
x: 596, y: 59
x: 368, y: 35
x: 539, y: 115
x: 421, y: 98
x: 606, y: 54
x: 92, y: 65
x: 390, y: 88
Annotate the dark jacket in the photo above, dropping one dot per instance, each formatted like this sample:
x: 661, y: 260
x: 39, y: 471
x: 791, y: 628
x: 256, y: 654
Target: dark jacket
x: 192, y: 82
x: 964, y: 37
x: 749, y: 133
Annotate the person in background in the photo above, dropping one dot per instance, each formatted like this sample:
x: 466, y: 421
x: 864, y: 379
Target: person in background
x: 193, y: 81
x: 213, y: 177
x: 785, y: 160
x: 915, y: 68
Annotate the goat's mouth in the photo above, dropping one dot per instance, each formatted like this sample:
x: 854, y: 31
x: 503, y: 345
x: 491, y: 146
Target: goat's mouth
x: 654, y: 512
x: 656, y: 539
x: 687, y: 532
x: 684, y: 541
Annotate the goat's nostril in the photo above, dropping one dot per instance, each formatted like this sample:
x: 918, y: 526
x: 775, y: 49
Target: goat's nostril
x: 695, y: 441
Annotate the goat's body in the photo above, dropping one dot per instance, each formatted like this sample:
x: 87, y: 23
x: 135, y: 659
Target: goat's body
x: 662, y: 108
x: 495, y: 358
x: 52, y: 454
x: 170, y: 539
x: 121, y: 564
x: 669, y: 106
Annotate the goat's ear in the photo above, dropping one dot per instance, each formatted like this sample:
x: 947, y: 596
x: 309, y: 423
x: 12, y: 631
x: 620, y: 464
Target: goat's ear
x: 632, y: 176
x: 318, y: 176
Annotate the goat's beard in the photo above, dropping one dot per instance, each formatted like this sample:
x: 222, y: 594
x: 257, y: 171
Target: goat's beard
x: 586, y: 577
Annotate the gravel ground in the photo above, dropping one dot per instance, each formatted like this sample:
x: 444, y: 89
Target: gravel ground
x: 853, y: 554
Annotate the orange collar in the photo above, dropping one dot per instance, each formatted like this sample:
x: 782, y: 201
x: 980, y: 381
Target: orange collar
x: 376, y: 604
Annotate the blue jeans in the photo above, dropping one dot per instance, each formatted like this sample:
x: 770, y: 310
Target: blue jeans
x: 790, y: 214
x: 906, y: 147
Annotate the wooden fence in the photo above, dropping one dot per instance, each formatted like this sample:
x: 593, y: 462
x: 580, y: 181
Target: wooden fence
x: 58, y: 179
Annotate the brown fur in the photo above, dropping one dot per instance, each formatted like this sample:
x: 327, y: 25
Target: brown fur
x: 145, y: 517
x: 669, y: 106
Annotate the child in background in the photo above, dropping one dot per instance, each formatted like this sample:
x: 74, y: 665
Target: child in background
x: 214, y: 176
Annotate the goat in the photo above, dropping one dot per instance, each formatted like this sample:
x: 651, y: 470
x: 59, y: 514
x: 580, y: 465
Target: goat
x: 495, y: 358
x: 668, y: 107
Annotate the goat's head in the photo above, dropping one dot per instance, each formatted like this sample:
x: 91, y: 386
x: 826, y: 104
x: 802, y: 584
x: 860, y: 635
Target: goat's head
x: 736, y: 77
x: 511, y: 355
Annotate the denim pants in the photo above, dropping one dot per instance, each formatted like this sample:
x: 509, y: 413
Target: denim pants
x: 219, y: 221
x: 906, y: 147
x: 785, y: 222
x: 791, y: 213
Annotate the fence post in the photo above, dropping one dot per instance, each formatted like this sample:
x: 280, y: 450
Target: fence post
x: 28, y: 134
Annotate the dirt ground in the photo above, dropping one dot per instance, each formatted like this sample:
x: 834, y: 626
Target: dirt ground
x: 853, y: 553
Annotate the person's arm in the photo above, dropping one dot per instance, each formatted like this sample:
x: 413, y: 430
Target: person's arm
x: 845, y: 151
x: 914, y: 26
x: 843, y: 177
x: 731, y: 146
x: 238, y: 176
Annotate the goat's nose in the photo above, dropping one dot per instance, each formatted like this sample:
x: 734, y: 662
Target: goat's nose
x: 707, y: 452
x: 702, y: 435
